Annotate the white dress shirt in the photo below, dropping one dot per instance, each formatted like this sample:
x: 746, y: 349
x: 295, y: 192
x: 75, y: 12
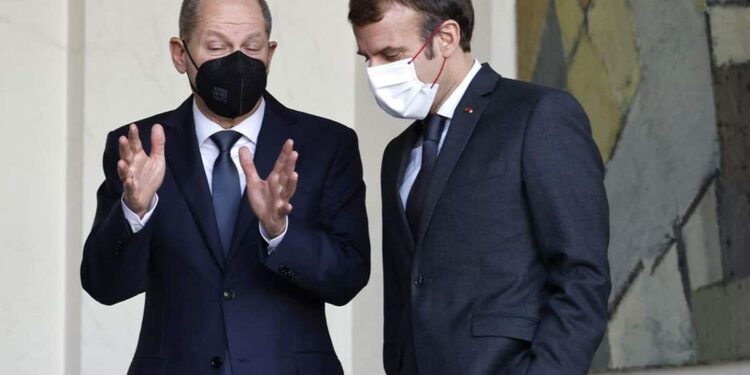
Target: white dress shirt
x: 446, y: 110
x: 204, y: 129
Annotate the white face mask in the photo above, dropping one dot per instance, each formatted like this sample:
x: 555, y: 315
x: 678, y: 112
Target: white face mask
x: 399, y: 92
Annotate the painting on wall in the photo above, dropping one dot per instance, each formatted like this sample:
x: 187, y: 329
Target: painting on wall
x: 666, y: 85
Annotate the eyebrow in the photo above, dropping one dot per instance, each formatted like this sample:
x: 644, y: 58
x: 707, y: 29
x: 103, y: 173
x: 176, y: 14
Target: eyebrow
x: 216, y: 33
x: 255, y: 36
x: 384, y: 51
x: 251, y: 38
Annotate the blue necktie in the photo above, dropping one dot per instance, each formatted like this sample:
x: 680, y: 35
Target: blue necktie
x: 432, y: 129
x: 226, y: 187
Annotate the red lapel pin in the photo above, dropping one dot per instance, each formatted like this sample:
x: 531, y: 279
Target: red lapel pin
x: 469, y: 110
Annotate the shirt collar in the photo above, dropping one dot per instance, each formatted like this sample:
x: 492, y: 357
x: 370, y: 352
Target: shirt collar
x: 249, y: 128
x: 449, y: 106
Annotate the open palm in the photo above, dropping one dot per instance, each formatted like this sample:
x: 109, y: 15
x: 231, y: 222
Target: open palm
x: 141, y: 174
x: 270, y: 198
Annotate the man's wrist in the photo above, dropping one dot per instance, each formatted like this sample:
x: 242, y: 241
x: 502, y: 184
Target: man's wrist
x: 136, y: 221
x: 276, y: 229
x: 140, y: 212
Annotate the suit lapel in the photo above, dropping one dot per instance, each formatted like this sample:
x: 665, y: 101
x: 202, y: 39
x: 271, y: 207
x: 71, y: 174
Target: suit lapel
x: 403, y: 147
x: 274, y: 132
x: 460, y: 131
x: 183, y: 158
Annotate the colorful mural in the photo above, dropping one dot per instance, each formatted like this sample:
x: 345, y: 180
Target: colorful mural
x: 666, y: 85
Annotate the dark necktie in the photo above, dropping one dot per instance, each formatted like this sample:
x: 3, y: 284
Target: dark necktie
x: 226, y: 187
x: 432, y: 129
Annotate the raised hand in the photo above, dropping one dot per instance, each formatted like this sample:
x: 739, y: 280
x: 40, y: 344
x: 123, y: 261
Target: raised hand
x: 270, y: 198
x: 141, y: 174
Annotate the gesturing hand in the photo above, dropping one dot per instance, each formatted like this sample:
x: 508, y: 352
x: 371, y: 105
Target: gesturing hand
x: 141, y: 174
x: 269, y: 198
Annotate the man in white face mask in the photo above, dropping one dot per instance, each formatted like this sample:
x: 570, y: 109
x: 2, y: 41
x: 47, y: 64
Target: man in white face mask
x: 495, y: 217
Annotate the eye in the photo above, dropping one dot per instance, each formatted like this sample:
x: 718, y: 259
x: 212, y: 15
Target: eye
x: 215, y: 47
x: 393, y: 57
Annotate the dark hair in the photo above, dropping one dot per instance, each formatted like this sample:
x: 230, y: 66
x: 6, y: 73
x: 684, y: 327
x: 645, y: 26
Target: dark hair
x: 365, y: 12
x: 189, y: 17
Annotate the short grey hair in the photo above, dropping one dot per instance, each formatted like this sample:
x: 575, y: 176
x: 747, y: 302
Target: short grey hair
x: 189, y: 17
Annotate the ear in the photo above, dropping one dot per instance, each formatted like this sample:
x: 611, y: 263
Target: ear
x: 271, y: 50
x: 448, y: 39
x: 179, y: 57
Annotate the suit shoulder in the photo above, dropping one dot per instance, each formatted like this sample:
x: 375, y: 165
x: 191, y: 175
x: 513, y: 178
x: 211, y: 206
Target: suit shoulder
x: 531, y: 93
x: 320, y: 125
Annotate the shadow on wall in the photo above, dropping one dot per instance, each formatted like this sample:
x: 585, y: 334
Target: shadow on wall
x: 666, y: 85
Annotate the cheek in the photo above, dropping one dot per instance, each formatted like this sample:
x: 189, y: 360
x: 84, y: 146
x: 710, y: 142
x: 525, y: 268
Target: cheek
x: 427, y: 70
x: 191, y: 73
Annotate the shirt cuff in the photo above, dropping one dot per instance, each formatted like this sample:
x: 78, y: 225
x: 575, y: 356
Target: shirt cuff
x: 275, y: 242
x: 136, y: 223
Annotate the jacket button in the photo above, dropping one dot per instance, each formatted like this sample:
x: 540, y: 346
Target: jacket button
x: 286, y: 272
x: 216, y: 362
x: 229, y: 295
x: 419, y: 282
x: 118, y: 248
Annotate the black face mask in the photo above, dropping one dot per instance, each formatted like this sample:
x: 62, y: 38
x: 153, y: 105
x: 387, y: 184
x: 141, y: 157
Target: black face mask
x: 231, y: 85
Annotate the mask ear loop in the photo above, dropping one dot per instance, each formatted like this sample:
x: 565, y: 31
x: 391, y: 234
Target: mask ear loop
x: 184, y: 46
x: 429, y: 39
x: 190, y: 56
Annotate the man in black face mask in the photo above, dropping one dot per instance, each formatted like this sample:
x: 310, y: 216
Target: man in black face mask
x: 205, y: 215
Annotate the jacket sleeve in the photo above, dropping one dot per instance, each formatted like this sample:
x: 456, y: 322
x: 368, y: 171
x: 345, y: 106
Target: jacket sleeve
x: 563, y: 175
x: 115, y: 261
x: 332, y: 260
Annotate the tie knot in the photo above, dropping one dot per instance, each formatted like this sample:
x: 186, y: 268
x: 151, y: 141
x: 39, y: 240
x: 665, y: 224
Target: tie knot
x: 225, y: 139
x: 433, y: 127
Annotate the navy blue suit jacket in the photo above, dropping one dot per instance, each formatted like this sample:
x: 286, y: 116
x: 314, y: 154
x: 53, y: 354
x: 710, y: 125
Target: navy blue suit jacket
x: 508, y: 273
x: 268, y: 310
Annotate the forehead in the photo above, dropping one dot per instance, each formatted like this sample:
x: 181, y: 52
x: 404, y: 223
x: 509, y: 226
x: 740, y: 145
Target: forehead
x: 401, y: 26
x: 230, y: 17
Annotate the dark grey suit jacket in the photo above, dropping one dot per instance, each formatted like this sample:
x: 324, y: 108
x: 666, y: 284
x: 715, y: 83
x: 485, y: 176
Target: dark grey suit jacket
x: 509, y: 271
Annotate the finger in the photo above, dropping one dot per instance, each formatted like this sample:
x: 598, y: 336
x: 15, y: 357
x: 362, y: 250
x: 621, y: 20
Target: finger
x: 158, y: 140
x: 125, y: 152
x: 290, y: 187
x: 274, y: 185
x: 123, y: 170
x: 285, y: 209
x: 282, y: 159
x: 135, y: 139
x: 291, y: 163
x: 130, y: 185
x: 248, y: 166
x: 288, y: 146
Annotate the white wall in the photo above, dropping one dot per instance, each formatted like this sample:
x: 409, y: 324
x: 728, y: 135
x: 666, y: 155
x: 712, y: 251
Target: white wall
x: 33, y: 111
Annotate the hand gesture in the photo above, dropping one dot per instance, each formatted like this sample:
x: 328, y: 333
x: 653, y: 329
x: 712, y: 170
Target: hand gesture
x: 141, y: 174
x: 270, y: 198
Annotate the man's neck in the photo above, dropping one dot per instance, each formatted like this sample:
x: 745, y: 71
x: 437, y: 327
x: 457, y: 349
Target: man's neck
x: 455, y: 70
x: 225, y: 123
